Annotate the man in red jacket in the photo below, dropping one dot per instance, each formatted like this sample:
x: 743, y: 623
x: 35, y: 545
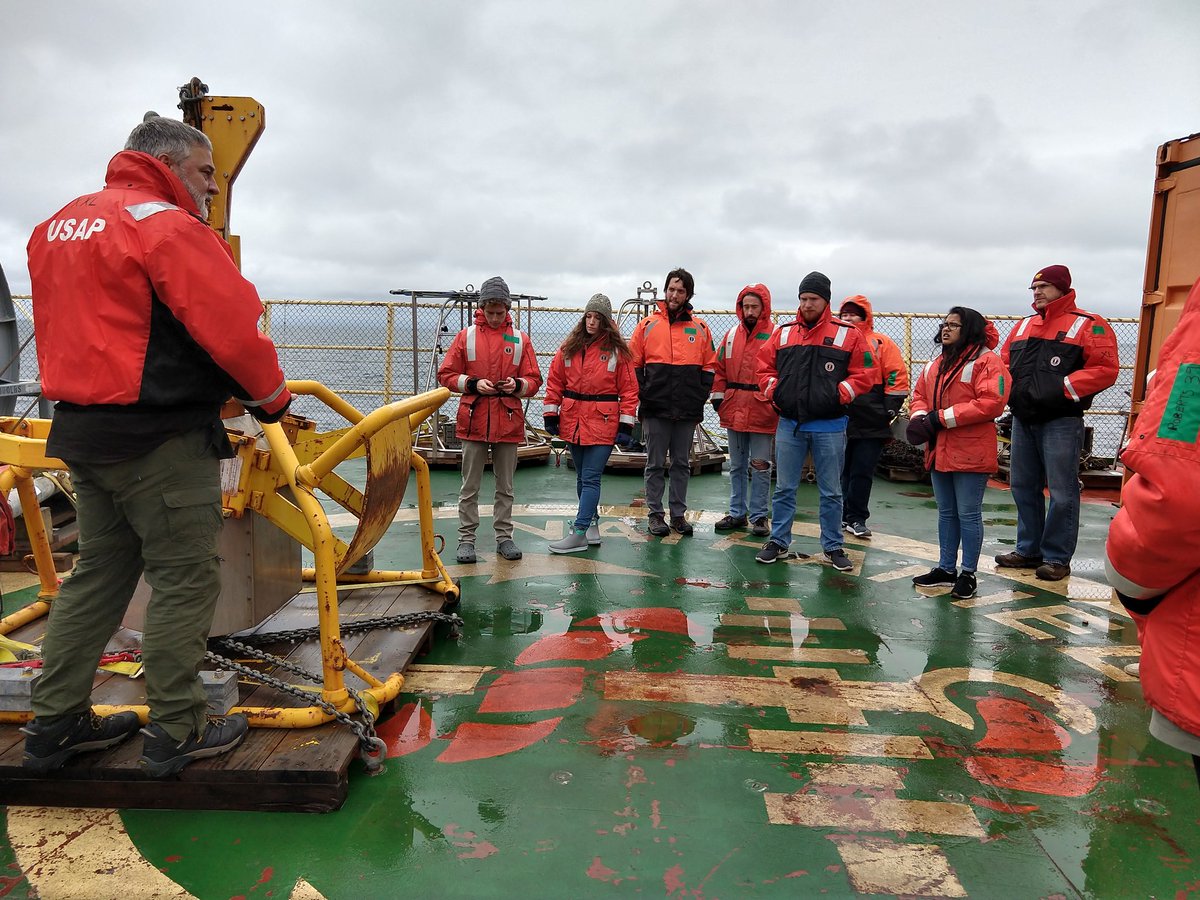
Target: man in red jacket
x: 747, y: 415
x: 144, y: 328
x: 494, y: 367
x: 1060, y: 358
x: 1154, y: 539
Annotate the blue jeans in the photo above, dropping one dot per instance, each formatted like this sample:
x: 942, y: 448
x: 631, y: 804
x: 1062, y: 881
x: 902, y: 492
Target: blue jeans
x: 1047, y: 455
x: 589, y: 466
x: 828, y: 450
x: 743, y: 447
x: 960, y: 517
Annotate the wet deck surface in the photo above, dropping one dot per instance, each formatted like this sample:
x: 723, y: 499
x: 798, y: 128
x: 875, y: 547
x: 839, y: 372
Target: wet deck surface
x: 669, y: 718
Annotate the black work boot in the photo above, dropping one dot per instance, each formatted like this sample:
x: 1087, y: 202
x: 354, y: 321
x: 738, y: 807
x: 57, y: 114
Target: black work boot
x: 162, y: 755
x: 48, y: 745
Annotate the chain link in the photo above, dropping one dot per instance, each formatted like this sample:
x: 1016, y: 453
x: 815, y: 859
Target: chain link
x: 371, y: 746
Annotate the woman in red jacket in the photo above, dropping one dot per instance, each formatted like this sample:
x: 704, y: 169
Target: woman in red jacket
x: 955, y: 403
x: 591, y: 401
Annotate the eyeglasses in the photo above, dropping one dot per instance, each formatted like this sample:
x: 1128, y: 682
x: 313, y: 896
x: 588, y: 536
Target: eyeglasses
x: 945, y: 325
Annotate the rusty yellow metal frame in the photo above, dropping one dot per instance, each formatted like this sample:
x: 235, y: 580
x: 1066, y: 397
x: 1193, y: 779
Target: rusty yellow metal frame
x: 280, y: 484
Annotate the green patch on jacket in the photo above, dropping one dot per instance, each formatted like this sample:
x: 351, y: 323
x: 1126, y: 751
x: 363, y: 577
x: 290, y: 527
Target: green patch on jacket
x: 689, y: 331
x: 762, y: 336
x: 1001, y: 385
x: 891, y: 379
x: 512, y: 339
x: 1097, y: 329
x: 868, y: 360
x: 1181, y: 417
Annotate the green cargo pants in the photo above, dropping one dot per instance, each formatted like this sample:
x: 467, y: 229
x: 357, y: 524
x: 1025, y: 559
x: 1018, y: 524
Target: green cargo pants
x: 161, y: 514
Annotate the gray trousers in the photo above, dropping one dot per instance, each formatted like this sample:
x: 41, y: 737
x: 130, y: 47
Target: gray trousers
x: 504, y: 463
x: 159, y: 513
x: 663, y: 437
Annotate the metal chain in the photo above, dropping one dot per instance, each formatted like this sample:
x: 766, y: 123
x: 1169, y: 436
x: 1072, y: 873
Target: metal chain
x: 370, y: 744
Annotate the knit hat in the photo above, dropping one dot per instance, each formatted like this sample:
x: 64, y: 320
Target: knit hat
x: 1059, y: 276
x: 599, y: 304
x: 815, y: 283
x: 494, y: 290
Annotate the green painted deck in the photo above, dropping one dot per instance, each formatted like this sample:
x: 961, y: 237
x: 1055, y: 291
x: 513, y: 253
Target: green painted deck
x: 669, y: 718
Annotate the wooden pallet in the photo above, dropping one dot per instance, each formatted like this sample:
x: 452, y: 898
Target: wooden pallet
x: 299, y: 770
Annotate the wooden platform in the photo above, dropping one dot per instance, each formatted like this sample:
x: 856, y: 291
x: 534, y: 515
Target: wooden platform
x: 304, y: 770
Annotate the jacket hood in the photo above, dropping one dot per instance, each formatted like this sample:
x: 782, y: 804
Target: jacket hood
x: 868, y: 323
x: 759, y: 290
x: 481, y: 319
x: 991, y: 336
x: 135, y: 170
x: 1055, y: 307
x: 684, y: 312
x: 826, y: 315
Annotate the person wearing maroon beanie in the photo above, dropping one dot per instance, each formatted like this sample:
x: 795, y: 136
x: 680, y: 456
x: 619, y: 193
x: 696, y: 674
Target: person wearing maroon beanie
x: 1060, y: 358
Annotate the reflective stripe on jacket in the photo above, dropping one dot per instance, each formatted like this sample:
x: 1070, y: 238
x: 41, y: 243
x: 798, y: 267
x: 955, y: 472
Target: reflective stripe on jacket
x: 675, y: 363
x: 593, y: 393
x: 1059, y: 358
x: 743, y: 406
x: 1154, y: 540
x: 494, y: 354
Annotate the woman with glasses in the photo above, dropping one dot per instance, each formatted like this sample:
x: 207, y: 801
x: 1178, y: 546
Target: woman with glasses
x: 591, y: 401
x: 955, y: 403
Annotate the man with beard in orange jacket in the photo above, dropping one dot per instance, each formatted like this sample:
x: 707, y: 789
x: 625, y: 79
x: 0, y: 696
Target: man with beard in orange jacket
x: 747, y: 415
x: 493, y: 365
x: 871, y: 416
x: 1154, y: 539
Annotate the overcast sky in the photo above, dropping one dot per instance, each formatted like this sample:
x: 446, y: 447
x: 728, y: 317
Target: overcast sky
x: 924, y: 154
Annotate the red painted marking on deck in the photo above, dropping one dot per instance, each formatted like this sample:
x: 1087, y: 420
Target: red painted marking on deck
x: 672, y: 880
x: 575, y: 645
x: 477, y: 740
x: 601, y: 872
x: 637, y: 775
x: 267, y: 874
x: 533, y: 689
x: 1053, y: 779
x: 649, y: 618
x: 655, y: 814
x: 174, y: 858
x: 700, y: 582
x: 409, y: 730
x: 1014, y: 725
x: 1001, y: 806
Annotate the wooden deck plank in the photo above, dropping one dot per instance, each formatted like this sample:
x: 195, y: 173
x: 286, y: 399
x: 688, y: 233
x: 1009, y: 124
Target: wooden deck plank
x: 298, y: 770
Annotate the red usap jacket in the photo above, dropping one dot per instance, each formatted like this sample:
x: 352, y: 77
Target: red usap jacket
x: 495, y: 354
x: 815, y: 373
x: 1154, y: 540
x: 967, y: 407
x: 743, y: 405
x: 1059, y: 358
x: 871, y: 414
x: 594, y: 394
x: 137, y: 303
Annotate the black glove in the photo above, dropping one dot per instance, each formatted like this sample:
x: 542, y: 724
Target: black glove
x: 716, y: 404
x: 472, y: 386
x: 1141, y: 607
x: 624, y: 435
x: 921, y: 430
x: 551, y: 425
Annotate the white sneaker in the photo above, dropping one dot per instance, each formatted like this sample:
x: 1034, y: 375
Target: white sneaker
x: 593, y: 535
x: 1134, y: 669
x: 572, y: 543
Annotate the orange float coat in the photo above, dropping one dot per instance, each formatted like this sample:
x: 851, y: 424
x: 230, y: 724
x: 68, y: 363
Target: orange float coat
x: 495, y: 354
x: 594, y: 394
x: 872, y: 413
x: 675, y: 362
x: 743, y: 405
x: 1154, y: 540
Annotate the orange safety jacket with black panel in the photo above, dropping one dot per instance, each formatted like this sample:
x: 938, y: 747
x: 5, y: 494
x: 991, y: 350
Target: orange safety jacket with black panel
x: 1060, y: 358
x: 812, y: 373
x: 144, y: 324
x: 871, y: 414
x: 675, y: 364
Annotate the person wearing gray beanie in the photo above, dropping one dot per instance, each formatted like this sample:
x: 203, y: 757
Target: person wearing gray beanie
x: 494, y: 367
x: 815, y: 283
x: 591, y: 401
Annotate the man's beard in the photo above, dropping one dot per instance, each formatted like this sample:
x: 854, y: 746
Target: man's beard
x: 203, y: 202
x: 749, y: 321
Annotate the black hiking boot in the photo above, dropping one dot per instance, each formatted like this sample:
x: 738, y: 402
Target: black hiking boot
x: 49, y: 745
x: 162, y: 755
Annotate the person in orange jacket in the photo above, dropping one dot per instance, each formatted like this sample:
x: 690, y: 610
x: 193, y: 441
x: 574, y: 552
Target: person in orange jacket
x: 871, y: 416
x: 812, y: 369
x: 955, y: 403
x: 1060, y: 357
x: 674, y: 358
x: 494, y: 367
x: 591, y: 401
x: 1154, y: 539
x: 748, y: 417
